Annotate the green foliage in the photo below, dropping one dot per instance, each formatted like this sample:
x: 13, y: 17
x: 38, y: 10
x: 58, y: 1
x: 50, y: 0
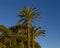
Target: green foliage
x: 16, y: 36
x: 2, y: 27
x: 26, y: 13
x: 14, y: 46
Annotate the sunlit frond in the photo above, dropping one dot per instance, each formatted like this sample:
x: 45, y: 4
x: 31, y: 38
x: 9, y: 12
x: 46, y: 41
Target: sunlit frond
x: 40, y: 33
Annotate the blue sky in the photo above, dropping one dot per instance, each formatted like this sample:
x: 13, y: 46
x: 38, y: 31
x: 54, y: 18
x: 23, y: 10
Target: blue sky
x: 50, y: 21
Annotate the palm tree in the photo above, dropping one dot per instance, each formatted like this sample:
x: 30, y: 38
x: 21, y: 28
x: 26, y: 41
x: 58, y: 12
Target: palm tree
x: 4, y: 31
x: 21, y: 35
x: 2, y: 27
x: 27, y: 15
x: 21, y: 39
x: 4, y: 34
x: 13, y: 36
x: 18, y: 33
x: 35, y: 32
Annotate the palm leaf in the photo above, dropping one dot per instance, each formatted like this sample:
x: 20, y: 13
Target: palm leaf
x: 40, y: 33
x: 36, y: 29
x: 19, y: 21
x: 2, y: 27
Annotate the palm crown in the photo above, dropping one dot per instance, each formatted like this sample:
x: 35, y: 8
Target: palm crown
x: 28, y: 14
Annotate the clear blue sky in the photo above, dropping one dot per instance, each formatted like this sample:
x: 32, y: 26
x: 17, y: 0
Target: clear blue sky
x: 50, y: 20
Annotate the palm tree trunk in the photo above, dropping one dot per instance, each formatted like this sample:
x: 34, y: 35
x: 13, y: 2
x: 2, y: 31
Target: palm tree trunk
x: 22, y: 44
x: 28, y: 32
x: 33, y: 46
x: 10, y: 42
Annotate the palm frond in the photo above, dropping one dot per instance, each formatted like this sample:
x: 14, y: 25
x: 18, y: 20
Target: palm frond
x: 40, y: 33
x: 24, y: 22
x: 20, y: 20
x: 21, y: 14
x: 2, y: 27
x: 36, y: 29
x: 35, y: 15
